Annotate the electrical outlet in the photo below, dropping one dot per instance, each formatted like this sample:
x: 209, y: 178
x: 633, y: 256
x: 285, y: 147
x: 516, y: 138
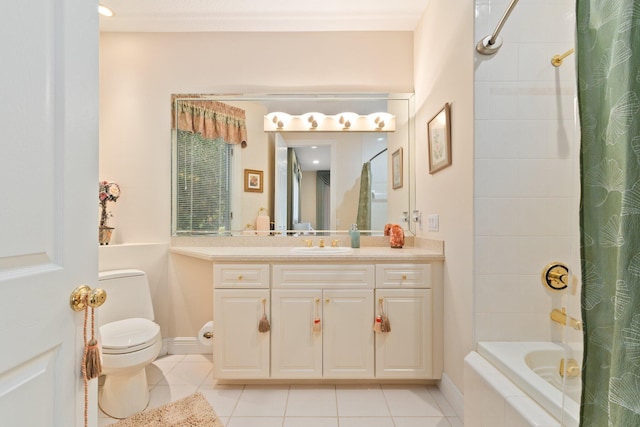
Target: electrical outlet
x: 434, y: 222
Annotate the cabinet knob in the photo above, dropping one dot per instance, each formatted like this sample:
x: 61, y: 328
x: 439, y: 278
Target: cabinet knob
x: 239, y: 276
x: 404, y: 277
x: 327, y: 300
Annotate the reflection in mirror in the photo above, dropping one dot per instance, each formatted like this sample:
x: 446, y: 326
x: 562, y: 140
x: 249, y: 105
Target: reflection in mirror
x: 312, y: 182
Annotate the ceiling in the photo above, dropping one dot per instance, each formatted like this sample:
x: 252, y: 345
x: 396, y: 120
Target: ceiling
x: 262, y: 15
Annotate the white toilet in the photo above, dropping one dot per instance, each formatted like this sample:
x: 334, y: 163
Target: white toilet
x: 130, y: 341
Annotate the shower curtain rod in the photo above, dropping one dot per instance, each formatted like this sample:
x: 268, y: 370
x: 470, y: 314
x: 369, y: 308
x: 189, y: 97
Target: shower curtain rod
x: 377, y: 154
x: 492, y: 43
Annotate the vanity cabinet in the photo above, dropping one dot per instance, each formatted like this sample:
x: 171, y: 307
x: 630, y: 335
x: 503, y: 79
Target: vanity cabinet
x: 241, y: 297
x: 404, y: 292
x: 345, y: 297
x: 342, y: 348
x: 342, y: 298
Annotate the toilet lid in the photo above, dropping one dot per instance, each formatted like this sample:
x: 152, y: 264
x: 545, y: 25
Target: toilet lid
x: 125, y: 336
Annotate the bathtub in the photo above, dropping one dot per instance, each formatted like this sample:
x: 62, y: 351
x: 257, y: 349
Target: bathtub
x: 518, y: 384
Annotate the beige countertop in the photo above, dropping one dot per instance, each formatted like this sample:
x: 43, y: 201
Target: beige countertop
x: 287, y: 254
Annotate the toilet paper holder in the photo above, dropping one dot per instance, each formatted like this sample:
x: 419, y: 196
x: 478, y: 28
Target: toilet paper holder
x: 208, y: 335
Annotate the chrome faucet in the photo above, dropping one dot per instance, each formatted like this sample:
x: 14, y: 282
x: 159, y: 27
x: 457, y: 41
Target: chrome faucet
x: 560, y: 316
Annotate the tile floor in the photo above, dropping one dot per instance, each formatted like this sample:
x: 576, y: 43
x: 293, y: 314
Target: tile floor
x: 175, y: 376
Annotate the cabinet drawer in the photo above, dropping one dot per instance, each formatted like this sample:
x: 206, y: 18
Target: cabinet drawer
x: 403, y: 276
x: 323, y: 276
x: 241, y: 276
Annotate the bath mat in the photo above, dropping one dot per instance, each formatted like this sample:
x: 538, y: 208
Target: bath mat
x: 192, y: 411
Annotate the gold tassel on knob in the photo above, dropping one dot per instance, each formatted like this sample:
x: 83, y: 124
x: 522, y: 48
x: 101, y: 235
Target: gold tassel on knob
x: 264, y: 325
x: 317, y: 326
x: 385, y: 325
x: 92, y: 361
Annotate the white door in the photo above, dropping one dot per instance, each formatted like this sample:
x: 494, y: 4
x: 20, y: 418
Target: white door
x: 406, y: 351
x: 48, y: 206
x: 296, y: 350
x: 242, y: 350
x: 348, y: 350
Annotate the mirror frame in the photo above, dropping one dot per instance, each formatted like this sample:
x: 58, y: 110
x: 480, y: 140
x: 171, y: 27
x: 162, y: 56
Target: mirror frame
x: 409, y: 151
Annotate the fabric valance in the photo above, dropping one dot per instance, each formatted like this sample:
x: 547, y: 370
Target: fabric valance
x: 211, y: 119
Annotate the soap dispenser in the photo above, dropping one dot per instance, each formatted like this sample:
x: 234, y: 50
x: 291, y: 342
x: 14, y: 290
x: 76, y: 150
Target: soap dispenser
x: 355, y: 236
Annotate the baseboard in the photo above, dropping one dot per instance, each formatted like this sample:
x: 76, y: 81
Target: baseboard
x: 453, y: 395
x: 184, y: 345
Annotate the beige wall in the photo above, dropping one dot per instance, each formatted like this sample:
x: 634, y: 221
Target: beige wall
x: 444, y: 73
x: 139, y: 72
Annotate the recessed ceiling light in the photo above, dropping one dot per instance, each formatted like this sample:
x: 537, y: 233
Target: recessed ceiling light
x: 313, y: 146
x: 104, y: 10
x: 315, y: 162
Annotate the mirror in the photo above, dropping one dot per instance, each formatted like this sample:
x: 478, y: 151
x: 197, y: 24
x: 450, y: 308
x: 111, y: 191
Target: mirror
x: 249, y: 181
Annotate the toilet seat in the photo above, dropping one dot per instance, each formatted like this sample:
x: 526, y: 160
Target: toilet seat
x: 128, y: 335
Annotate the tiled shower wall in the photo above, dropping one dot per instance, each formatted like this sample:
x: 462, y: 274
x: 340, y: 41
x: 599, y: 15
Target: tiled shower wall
x: 526, y: 170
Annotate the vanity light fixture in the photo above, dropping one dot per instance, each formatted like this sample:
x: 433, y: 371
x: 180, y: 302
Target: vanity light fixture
x: 105, y: 11
x: 318, y: 122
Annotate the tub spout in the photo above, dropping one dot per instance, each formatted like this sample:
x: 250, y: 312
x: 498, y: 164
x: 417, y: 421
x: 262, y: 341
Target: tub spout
x: 569, y: 368
x: 560, y: 316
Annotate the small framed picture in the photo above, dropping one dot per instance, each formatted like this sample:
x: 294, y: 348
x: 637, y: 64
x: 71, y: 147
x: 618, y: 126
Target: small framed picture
x: 439, y: 138
x: 396, y: 168
x: 253, y: 180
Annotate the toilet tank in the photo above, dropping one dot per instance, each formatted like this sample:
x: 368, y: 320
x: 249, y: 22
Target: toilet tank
x: 128, y: 296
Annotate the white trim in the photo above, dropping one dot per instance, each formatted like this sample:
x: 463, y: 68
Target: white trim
x: 185, y: 345
x: 453, y: 395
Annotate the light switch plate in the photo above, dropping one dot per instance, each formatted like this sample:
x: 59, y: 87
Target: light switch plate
x: 434, y: 222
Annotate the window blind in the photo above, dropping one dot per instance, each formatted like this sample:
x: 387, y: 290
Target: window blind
x: 203, y: 184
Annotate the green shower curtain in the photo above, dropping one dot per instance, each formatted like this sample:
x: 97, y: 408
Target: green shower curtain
x: 364, y: 201
x: 608, y: 71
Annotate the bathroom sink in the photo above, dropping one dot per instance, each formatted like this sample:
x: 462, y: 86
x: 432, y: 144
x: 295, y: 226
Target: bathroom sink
x: 316, y: 250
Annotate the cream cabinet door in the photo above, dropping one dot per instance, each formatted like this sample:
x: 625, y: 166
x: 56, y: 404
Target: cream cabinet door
x: 296, y: 350
x: 405, y: 351
x: 240, y: 350
x: 348, y: 349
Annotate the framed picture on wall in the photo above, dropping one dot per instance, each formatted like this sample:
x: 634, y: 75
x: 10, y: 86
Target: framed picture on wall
x: 396, y: 168
x: 439, y: 139
x: 253, y: 180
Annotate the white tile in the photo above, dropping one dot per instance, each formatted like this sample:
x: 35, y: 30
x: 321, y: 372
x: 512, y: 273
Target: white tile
x: 496, y: 254
x: 198, y: 358
x: 364, y: 400
x: 223, y: 398
x: 496, y: 178
x: 406, y: 400
x: 254, y: 422
x: 545, y: 100
x: 496, y: 139
x: 545, y: 178
x: 496, y: 216
x: 496, y: 294
x: 312, y: 401
x: 547, y: 139
x: 366, y: 422
x: 455, y: 422
x: 310, y: 422
x: 497, y: 327
x: 545, y: 217
x: 442, y: 401
x: 421, y: 422
x: 157, y: 370
x: 163, y: 394
x: 535, y: 326
x: 262, y: 401
x: 193, y: 373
